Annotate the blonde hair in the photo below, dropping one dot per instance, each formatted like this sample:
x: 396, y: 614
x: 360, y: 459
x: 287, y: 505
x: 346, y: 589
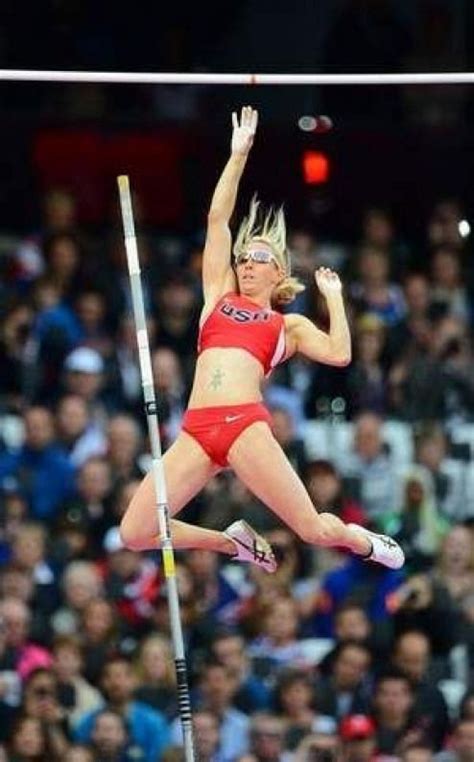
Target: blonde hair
x: 272, y: 231
x: 156, y: 639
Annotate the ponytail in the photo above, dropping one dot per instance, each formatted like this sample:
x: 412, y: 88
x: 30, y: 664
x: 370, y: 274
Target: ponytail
x: 287, y: 290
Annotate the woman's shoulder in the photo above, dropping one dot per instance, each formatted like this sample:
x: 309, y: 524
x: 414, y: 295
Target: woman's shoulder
x: 293, y: 320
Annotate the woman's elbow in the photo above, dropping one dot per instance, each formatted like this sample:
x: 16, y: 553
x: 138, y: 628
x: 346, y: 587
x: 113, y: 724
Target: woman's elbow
x: 342, y: 359
x: 216, y: 216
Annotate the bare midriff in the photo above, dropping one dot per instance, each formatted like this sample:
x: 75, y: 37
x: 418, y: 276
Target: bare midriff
x: 226, y: 376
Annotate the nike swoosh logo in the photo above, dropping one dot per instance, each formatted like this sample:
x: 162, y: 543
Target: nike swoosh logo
x: 231, y: 418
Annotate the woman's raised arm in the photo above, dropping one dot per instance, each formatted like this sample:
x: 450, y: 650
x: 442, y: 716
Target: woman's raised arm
x: 217, y: 274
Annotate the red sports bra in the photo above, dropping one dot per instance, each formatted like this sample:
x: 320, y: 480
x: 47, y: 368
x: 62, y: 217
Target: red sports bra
x: 238, y: 322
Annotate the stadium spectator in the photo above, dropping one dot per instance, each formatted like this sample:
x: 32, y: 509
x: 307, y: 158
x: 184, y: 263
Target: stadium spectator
x: 295, y: 704
x: 156, y: 676
x: 78, y: 433
x: 229, y: 648
x: 63, y: 259
x: 76, y: 695
x: 393, y: 711
x: 81, y: 583
x: 367, y: 468
x: 29, y: 554
x: 449, y: 475
x: 206, y: 736
x: 215, y: 693
x: 278, y: 646
x: 347, y: 689
x: 110, y: 741
x: 91, y: 504
x: 83, y: 375
x: 373, y: 291
x: 418, y: 525
x: 147, y: 727
x: 218, y: 596
x: 322, y: 744
x: 47, y: 477
x: 418, y: 753
x: 411, y: 334
x: 131, y: 582
x: 41, y: 702
x: 448, y: 290
x: 267, y: 733
x: 29, y: 741
x: 326, y: 488
x: 355, y: 581
x: 123, y: 448
x: 284, y: 430
x: 366, y: 385
x: 358, y: 736
x: 21, y: 653
x: 80, y: 753
x: 462, y: 744
x: 91, y: 309
x: 14, y: 333
x: 170, y: 390
x: 412, y: 656
x: 99, y: 628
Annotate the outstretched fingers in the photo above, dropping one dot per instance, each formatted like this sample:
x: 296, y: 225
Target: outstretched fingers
x: 248, y: 119
x: 254, y: 121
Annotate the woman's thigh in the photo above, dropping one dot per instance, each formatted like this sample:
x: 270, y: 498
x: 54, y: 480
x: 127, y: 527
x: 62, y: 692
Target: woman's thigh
x: 187, y: 469
x: 259, y: 461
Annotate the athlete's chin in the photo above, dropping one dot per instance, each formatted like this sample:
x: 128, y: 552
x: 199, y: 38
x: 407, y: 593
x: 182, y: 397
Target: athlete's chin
x: 248, y: 288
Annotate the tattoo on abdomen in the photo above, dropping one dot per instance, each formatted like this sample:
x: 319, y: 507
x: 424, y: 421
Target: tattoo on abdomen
x: 216, y: 380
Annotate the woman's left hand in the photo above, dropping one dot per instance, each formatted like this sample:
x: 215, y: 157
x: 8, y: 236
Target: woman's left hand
x: 327, y: 281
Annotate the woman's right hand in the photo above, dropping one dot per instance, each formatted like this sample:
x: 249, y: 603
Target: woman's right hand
x: 244, y: 133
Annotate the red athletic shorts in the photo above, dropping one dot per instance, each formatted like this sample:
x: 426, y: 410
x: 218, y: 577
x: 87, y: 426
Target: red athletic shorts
x: 217, y: 428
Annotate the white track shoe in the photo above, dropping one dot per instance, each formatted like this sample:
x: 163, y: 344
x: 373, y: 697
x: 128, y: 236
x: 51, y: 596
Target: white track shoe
x: 385, y: 550
x: 250, y: 546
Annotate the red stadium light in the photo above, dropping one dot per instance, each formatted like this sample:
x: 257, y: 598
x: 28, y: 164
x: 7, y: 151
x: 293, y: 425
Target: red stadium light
x: 316, y: 168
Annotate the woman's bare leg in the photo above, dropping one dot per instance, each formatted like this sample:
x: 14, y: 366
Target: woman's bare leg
x: 259, y: 461
x: 187, y: 469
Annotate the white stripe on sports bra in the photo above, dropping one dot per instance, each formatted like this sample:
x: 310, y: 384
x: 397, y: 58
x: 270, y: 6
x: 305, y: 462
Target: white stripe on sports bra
x: 279, y: 352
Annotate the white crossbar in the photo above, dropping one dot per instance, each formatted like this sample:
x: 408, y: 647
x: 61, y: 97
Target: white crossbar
x: 177, y: 78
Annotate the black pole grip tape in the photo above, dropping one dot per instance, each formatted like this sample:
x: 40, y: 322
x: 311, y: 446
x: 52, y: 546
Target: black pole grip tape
x: 151, y: 407
x: 184, y: 703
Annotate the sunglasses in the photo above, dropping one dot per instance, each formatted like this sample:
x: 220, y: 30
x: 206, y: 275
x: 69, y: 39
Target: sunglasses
x: 262, y: 256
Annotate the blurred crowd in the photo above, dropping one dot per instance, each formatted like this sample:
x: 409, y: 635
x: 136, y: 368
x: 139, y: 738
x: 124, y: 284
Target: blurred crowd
x: 330, y: 659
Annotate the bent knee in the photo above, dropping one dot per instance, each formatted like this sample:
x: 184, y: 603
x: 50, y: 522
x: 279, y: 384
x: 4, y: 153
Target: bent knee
x: 131, y: 534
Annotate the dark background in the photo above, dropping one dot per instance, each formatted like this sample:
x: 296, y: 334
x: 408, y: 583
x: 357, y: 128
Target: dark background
x: 404, y: 147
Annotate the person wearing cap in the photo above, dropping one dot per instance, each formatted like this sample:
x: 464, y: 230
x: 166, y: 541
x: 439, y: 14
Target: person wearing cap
x: 357, y: 732
x: 83, y: 375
